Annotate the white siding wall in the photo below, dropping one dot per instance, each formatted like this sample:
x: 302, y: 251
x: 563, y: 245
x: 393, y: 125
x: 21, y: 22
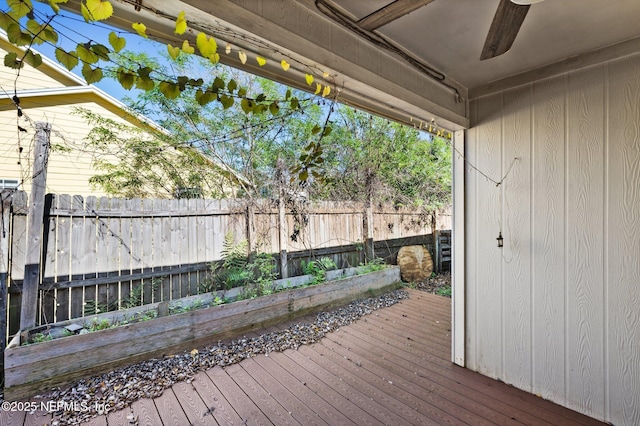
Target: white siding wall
x: 43, y: 77
x: 556, y: 311
x: 68, y: 172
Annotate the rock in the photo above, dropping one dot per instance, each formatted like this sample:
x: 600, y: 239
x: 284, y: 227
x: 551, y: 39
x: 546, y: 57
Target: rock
x: 415, y: 263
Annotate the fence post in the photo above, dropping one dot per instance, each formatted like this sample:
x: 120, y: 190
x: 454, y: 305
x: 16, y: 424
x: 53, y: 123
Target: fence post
x: 369, y: 253
x: 5, y: 217
x: 282, y: 221
x: 250, y: 212
x: 35, y: 224
x: 437, y: 252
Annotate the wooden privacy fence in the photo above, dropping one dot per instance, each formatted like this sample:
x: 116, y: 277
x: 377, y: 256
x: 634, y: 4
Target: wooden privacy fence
x: 108, y: 253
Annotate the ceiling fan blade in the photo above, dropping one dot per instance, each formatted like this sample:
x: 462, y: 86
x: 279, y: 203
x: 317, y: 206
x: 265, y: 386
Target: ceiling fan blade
x: 504, y: 28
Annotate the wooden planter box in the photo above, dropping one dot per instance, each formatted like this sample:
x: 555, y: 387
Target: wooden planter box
x: 38, y: 367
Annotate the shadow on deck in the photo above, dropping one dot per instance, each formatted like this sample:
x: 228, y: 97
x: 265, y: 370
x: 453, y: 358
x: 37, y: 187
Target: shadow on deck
x: 391, y: 367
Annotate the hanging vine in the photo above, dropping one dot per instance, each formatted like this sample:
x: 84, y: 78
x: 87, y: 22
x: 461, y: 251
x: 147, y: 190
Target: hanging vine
x: 25, y: 27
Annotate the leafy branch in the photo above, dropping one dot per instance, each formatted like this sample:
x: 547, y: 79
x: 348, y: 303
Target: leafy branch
x: 26, y: 28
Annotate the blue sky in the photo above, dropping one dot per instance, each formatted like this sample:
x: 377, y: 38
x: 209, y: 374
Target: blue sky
x: 73, y: 30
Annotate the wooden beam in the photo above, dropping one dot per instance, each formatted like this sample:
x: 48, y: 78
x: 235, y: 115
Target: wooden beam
x: 390, y: 13
x: 32, y: 265
x: 5, y: 217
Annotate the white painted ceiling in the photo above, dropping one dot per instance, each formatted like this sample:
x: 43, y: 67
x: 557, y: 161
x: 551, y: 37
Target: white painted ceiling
x: 450, y: 34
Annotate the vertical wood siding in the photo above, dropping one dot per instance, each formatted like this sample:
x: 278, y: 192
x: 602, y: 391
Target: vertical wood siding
x: 556, y: 311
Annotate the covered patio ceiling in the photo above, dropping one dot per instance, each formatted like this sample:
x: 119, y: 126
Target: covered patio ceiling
x: 409, y: 60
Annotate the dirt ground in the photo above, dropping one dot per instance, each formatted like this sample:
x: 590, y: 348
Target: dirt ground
x: 439, y: 284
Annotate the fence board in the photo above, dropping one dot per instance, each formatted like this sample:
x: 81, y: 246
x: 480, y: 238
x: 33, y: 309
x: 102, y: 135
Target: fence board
x: 138, y: 243
x: 126, y: 253
x: 46, y: 296
x: 159, y: 245
x: 113, y: 252
x: 190, y: 250
x: 90, y: 236
x: 102, y: 244
x: 63, y: 261
x: 147, y: 255
x: 79, y: 252
x: 178, y: 235
x: 166, y: 249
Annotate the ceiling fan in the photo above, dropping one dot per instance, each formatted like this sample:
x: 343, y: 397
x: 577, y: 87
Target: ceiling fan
x: 505, y: 27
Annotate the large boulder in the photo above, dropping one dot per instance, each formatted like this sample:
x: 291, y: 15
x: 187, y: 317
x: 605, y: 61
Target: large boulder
x: 415, y: 263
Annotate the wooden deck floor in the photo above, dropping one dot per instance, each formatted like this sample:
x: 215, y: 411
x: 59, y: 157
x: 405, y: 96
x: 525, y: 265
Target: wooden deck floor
x: 391, y: 367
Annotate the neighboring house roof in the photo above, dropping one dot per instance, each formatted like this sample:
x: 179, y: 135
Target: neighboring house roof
x: 51, y: 85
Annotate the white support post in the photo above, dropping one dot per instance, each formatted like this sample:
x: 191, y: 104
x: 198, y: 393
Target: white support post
x: 457, y: 251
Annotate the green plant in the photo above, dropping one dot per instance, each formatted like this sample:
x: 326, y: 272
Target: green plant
x: 444, y: 291
x: 233, y: 271
x: 262, y: 271
x: 373, y: 265
x: 318, y: 268
x: 92, y: 307
x: 236, y: 271
x: 40, y: 337
x: 136, y: 296
x: 99, y: 324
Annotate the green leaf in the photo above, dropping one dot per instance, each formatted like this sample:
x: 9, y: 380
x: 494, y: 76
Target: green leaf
x: 144, y: 81
x: 11, y: 61
x: 218, y: 84
x: 205, y: 97
x: 287, y: 95
x: 17, y: 37
x: 169, y: 90
x: 182, y: 82
x: 274, y: 108
x: 91, y: 75
x: 42, y: 32
x: 54, y: 5
x: 196, y: 83
x: 308, y: 78
x: 247, y: 105
x: 327, y: 131
x: 33, y: 59
x: 20, y: 8
x: 206, y: 45
x: 85, y: 54
x: 295, y: 104
x: 5, y: 21
x: 140, y: 28
x: 174, y: 52
x: 181, y: 24
x: 99, y: 10
x: 215, y: 58
x: 226, y: 101
x: 68, y: 60
x: 126, y: 78
x: 232, y: 85
x: 316, y: 129
x: 187, y: 48
x: 101, y: 51
x: 117, y: 43
x: 242, y: 92
x: 304, y: 175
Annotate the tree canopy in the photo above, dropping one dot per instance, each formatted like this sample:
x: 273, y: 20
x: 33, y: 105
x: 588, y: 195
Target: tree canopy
x: 214, y: 114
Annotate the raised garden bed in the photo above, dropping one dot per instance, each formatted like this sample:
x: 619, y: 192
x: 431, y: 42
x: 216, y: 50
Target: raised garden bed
x: 37, y: 367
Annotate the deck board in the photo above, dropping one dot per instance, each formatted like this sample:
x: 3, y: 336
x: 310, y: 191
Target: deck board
x: 145, y: 412
x: 390, y: 367
x: 217, y: 405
